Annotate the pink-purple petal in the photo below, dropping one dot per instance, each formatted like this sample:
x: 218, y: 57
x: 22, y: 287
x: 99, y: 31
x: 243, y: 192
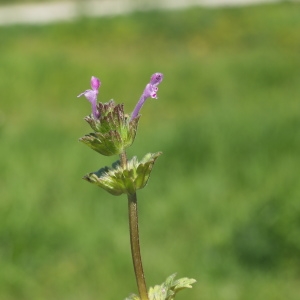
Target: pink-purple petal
x: 149, y: 91
x: 91, y: 95
x: 156, y: 79
x: 95, y: 83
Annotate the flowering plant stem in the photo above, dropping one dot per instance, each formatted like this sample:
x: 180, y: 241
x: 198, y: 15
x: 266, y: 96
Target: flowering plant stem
x: 134, y: 238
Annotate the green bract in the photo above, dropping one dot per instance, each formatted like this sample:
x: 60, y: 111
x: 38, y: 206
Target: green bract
x: 118, y: 180
x: 167, y: 290
x: 114, y: 131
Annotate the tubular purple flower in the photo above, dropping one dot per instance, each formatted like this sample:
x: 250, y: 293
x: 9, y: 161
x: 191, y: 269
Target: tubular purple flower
x: 149, y: 91
x: 91, y: 95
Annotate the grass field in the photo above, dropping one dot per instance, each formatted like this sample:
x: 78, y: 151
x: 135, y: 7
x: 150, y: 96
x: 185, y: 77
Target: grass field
x: 222, y: 205
x: 5, y: 2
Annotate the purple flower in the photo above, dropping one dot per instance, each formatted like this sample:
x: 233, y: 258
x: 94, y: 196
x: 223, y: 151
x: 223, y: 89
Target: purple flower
x: 149, y: 91
x: 92, y: 94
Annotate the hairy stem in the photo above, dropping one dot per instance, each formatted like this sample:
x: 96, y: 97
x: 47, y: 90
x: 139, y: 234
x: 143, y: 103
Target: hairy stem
x: 134, y: 239
x: 123, y: 160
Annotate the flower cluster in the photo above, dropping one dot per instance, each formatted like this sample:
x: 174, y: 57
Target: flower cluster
x: 113, y: 132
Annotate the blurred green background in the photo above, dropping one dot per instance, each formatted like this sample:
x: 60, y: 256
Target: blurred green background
x: 222, y: 205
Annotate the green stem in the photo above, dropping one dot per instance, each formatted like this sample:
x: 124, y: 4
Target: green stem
x: 123, y: 160
x: 135, y: 246
x: 134, y: 239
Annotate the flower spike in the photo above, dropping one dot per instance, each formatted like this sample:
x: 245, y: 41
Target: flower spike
x: 149, y: 91
x: 91, y: 96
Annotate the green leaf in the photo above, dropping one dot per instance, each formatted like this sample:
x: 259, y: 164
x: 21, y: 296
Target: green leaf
x: 132, y: 297
x: 117, y: 180
x: 169, y: 289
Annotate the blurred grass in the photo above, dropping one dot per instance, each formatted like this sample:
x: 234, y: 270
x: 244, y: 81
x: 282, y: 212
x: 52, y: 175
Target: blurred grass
x: 26, y: 1
x: 222, y: 205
